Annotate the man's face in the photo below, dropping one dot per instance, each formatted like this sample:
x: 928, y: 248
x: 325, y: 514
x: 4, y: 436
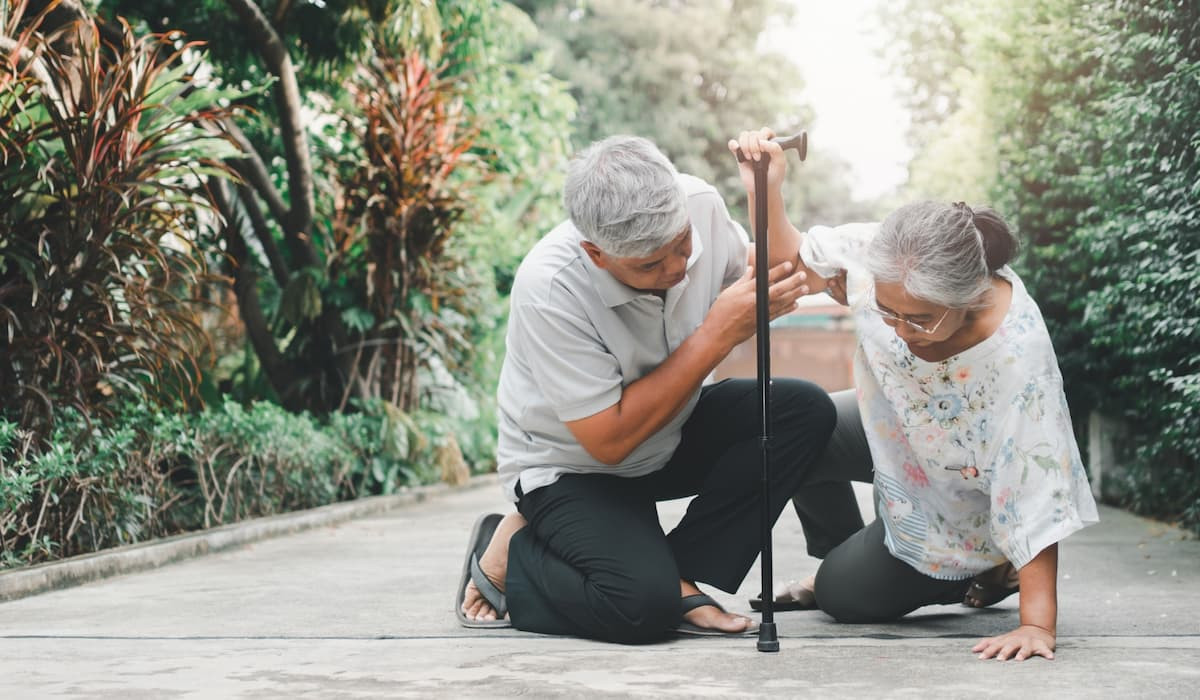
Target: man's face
x: 656, y: 272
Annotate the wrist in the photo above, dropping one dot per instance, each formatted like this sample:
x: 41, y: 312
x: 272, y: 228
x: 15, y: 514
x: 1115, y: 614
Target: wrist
x: 713, y: 340
x: 1047, y: 630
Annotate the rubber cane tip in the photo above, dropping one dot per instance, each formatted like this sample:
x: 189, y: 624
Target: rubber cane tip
x: 768, y: 639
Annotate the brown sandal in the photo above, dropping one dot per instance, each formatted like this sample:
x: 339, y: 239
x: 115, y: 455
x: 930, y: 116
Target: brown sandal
x: 992, y: 586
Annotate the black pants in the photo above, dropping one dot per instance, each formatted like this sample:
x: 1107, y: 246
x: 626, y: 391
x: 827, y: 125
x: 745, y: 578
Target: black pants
x: 860, y: 580
x: 594, y: 561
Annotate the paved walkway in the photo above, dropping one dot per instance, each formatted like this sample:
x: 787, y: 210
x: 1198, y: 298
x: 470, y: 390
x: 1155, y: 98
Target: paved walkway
x: 365, y: 610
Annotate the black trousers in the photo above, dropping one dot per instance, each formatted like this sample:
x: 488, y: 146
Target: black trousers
x: 594, y: 560
x: 860, y: 580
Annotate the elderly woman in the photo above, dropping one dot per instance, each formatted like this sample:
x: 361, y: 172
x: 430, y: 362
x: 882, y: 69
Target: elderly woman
x: 958, y: 418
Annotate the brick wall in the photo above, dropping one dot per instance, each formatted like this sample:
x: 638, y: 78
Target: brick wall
x: 814, y: 343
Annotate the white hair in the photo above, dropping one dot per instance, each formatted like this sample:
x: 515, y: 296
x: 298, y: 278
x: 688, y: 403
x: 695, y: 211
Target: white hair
x: 624, y: 195
x: 942, y: 253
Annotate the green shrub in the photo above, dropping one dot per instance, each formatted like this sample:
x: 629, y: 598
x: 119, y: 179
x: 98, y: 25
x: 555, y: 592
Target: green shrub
x: 146, y: 472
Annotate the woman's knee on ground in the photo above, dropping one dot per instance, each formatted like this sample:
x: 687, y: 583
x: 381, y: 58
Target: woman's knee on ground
x: 850, y: 596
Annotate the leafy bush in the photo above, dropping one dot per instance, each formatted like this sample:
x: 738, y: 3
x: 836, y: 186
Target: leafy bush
x: 149, y: 472
x: 101, y: 158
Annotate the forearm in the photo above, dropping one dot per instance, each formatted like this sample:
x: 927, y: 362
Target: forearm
x: 652, y: 401
x: 1039, y: 590
x: 784, y: 239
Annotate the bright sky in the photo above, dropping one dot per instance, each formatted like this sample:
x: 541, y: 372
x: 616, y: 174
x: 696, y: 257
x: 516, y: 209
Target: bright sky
x: 858, y: 115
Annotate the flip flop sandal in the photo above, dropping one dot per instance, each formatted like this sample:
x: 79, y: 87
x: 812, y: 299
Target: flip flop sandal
x: 797, y: 598
x: 481, y: 536
x: 699, y: 600
x: 992, y: 586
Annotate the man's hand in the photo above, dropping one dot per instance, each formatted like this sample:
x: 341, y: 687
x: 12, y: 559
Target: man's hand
x: 756, y: 145
x: 732, y: 316
x: 649, y: 403
x: 1020, y: 644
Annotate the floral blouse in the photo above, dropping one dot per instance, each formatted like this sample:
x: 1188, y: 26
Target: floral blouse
x: 975, y: 460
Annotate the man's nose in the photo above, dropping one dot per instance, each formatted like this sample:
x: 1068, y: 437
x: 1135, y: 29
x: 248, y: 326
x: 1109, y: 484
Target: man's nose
x: 679, y: 265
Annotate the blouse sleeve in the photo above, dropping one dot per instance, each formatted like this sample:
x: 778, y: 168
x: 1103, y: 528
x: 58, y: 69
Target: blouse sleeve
x: 1039, y: 489
x: 829, y: 250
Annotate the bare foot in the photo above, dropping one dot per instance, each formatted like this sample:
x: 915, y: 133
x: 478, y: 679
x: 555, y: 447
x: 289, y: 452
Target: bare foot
x: 710, y: 617
x: 494, y: 563
x: 802, y: 592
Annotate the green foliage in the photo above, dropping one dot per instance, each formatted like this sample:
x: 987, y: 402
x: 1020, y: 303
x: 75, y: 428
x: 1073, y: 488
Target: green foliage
x: 405, y: 260
x: 686, y: 75
x: 1092, y: 113
x: 151, y: 472
x: 102, y: 159
x: 397, y: 212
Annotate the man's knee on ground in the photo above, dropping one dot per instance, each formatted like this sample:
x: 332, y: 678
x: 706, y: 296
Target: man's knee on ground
x: 644, y: 613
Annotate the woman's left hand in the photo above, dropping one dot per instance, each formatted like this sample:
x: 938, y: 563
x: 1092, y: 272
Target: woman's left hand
x: 756, y: 145
x: 1020, y: 644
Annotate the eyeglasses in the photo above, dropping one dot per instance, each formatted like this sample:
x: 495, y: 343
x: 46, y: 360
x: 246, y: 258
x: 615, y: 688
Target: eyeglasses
x: 873, y: 305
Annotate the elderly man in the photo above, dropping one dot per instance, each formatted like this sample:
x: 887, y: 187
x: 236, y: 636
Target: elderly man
x: 618, y: 316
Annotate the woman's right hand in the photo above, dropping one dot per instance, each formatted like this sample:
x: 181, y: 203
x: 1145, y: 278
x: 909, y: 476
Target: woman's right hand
x: 756, y: 145
x: 836, y: 287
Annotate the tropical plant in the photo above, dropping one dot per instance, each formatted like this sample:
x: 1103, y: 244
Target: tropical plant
x: 396, y: 215
x: 284, y: 242
x: 103, y: 152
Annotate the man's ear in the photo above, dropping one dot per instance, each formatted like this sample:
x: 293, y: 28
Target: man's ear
x: 593, y: 251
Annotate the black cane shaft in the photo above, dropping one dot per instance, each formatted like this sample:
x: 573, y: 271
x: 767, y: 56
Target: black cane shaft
x: 767, y: 640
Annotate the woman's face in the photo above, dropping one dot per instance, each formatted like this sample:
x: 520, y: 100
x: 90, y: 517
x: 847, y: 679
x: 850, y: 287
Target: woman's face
x: 903, y: 312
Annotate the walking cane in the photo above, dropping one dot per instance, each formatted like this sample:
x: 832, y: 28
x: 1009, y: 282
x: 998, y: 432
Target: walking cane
x: 768, y: 639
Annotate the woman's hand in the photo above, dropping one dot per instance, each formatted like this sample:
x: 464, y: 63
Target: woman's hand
x: 836, y: 288
x: 1020, y: 644
x: 756, y: 145
x: 1039, y: 611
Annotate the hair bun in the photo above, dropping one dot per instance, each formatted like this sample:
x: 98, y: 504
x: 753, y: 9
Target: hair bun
x: 1000, y: 244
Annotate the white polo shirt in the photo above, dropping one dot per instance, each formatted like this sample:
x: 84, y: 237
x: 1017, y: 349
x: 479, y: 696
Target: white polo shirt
x: 577, y: 337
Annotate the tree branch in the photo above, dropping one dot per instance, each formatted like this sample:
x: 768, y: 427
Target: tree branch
x: 254, y: 171
x: 299, y: 222
x: 244, y: 288
x: 281, y: 11
x: 262, y: 232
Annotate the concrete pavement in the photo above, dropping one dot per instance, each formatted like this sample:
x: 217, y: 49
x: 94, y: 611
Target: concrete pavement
x: 364, y: 609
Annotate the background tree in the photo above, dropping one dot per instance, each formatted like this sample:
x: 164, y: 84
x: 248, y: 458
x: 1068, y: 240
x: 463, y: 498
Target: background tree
x: 306, y: 322
x: 688, y: 76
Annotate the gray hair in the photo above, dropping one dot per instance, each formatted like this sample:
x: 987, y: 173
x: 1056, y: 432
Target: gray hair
x: 942, y: 253
x: 624, y: 195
